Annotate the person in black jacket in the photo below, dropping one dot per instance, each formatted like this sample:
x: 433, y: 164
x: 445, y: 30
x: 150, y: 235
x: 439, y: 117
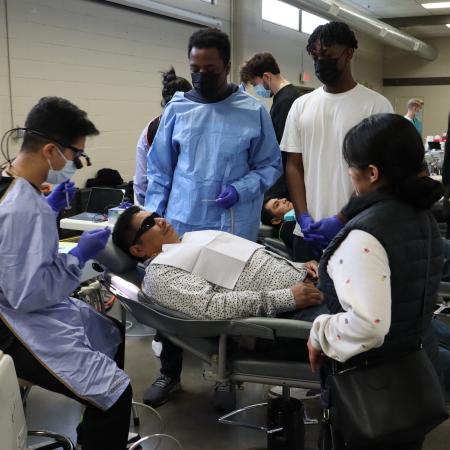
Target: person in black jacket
x: 389, y: 253
x: 263, y: 73
x: 446, y: 179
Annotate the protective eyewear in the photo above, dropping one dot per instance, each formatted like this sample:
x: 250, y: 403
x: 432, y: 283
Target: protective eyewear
x: 79, y: 152
x: 147, y: 223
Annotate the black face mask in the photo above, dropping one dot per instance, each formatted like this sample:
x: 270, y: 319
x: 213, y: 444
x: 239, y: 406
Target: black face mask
x: 327, y: 71
x: 206, y: 84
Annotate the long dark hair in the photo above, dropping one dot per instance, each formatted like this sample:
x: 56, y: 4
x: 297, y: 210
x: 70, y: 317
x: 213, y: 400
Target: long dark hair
x: 171, y: 84
x: 392, y: 144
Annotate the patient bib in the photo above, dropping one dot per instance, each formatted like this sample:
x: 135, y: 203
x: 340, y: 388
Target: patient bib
x: 216, y: 256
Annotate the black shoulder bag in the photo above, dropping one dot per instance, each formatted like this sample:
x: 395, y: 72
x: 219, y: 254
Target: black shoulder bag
x: 390, y: 401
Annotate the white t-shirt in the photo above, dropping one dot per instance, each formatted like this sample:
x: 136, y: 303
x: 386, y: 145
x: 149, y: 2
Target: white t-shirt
x: 316, y: 126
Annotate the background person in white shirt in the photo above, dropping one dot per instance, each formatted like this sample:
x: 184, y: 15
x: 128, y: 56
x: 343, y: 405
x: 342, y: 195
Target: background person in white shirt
x: 315, y: 129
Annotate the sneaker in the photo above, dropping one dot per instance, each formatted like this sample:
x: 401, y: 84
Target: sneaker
x: 298, y: 393
x: 224, y: 397
x: 158, y: 393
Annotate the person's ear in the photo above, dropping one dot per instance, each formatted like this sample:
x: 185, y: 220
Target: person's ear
x: 137, y: 251
x: 48, y: 150
x: 275, y: 221
x: 373, y: 173
x: 349, y: 55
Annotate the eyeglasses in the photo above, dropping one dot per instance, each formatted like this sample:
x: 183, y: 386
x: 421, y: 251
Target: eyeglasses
x: 147, y: 223
x: 79, y: 152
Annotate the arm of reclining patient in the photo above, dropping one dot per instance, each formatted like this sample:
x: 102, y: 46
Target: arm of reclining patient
x: 361, y: 275
x: 187, y: 293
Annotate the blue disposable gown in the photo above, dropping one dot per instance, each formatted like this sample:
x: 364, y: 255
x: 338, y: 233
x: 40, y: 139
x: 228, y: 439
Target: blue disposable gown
x: 202, y: 147
x: 68, y: 337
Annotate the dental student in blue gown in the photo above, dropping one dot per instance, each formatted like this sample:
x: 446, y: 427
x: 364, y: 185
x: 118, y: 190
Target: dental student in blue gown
x: 56, y: 341
x: 215, y: 152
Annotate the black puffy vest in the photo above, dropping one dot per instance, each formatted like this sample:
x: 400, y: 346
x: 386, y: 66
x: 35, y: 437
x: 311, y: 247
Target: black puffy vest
x: 406, y: 234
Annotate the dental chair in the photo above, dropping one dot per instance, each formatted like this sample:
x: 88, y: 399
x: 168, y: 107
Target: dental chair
x: 212, y: 341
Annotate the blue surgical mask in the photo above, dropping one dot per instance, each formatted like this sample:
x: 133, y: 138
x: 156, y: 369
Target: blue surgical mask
x: 62, y: 175
x: 262, y: 91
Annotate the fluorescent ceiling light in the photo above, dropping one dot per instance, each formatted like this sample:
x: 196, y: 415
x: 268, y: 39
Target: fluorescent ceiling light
x: 440, y: 5
x: 447, y: 25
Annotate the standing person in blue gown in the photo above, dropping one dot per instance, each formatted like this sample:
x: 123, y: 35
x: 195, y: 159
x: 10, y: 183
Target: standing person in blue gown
x: 215, y: 152
x: 57, y: 342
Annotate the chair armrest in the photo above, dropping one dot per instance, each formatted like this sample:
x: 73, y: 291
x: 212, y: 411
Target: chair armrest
x: 297, y: 329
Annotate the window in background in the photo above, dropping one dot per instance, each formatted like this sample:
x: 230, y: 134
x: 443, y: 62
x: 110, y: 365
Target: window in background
x: 281, y: 13
x: 212, y: 2
x: 310, y: 22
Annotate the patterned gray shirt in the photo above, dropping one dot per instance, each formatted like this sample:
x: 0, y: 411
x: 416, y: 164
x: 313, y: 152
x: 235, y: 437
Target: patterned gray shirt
x: 263, y: 289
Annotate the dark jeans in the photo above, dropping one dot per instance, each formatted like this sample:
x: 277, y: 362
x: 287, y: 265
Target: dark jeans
x: 99, y: 429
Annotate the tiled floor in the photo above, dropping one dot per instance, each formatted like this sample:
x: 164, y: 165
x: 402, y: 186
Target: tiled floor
x: 189, y: 416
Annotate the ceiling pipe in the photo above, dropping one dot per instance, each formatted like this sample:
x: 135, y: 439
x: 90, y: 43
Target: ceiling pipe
x: 334, y: 10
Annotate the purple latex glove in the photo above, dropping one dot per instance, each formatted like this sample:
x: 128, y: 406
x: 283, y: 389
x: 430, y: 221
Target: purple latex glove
x: 125, y: 205
x: 305, y: 221
x: 91, y: 243
x: 228, y: 197
x: 328, y: 227
x: 57, y: 200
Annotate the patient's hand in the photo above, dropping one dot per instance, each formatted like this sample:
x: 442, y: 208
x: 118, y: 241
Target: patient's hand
x: 306, y: 294
x: 312, y: 267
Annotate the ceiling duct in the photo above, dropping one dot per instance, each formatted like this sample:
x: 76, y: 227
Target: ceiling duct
x: 170, y: 11
x: 381, y: 31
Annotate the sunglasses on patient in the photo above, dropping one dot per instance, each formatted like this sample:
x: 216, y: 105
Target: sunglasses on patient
x: 147, y: 223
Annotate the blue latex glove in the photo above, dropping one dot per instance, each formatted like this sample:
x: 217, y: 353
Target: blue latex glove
x: 228, y: 197
x: 91, y: 244
x: 125, y: 205
x: 316, y: 241
x: 328, y: 228
x: 305, y: 221
x: 57, y: 200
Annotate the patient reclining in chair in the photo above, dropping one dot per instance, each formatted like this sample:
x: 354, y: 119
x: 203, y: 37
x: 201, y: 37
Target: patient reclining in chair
x: 215, y: 275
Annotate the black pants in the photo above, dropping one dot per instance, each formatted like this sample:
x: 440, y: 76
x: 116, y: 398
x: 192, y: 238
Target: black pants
x: 171, y: 357
x: 301, y: 251
x: 99, y: 429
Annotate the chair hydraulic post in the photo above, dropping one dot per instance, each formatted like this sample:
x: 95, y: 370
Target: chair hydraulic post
x: 285, y: 418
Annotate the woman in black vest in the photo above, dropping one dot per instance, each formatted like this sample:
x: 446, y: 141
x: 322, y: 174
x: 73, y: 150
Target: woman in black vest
x: 374, y: 272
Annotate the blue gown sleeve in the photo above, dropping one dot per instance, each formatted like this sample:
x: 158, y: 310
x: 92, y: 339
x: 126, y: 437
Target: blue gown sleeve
x: 161, y: 162
x: 33, y: 275
x: 140, y: 177
x: 264, y: 161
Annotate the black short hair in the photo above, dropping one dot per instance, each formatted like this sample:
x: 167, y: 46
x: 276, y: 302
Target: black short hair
x: 211, y: 38
x: 392, y: 144
x: 171, y: 84
x: 123, y: 233
x: 266, y: 214
x: 57, y: 119
x: 332, y: 33
x: 257, y: 65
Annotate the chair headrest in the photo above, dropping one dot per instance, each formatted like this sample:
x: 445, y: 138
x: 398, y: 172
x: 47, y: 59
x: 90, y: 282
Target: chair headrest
x: 114, y: 259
